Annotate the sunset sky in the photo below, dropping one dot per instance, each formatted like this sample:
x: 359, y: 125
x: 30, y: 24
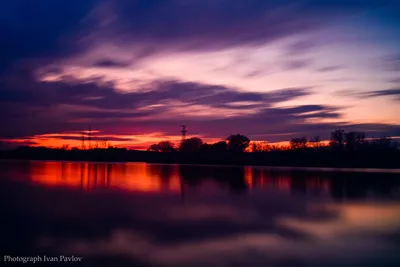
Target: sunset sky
x: 134, y: 71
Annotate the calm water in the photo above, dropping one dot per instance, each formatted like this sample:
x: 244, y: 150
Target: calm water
x: 171, y: 215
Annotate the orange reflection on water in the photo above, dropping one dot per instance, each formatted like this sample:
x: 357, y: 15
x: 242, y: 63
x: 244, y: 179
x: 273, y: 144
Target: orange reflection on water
x: 155, y: 178
x: 284, y: 183
x: 317, y: 184
x: 248, y: 177
x: 265, y: 180
x: 89, y: 176
x: 261, y: 178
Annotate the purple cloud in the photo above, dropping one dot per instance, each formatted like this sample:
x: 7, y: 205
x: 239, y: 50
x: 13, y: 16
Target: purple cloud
x: 395, y: 93
x: 108, y: 63
x: 59, y: 107
x: 297, y: 64
x: 328, y: 68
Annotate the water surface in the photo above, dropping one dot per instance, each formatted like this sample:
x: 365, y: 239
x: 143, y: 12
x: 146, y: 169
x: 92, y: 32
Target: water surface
x: 138, y: 214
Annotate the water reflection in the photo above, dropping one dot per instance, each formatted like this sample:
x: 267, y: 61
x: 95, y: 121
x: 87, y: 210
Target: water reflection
x: 94, y: 176
x: 171, y: 215
x: 175, y: 179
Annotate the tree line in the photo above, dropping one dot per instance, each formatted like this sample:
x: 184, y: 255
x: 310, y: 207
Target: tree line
x: 340, y: 140
x: 343, y: 150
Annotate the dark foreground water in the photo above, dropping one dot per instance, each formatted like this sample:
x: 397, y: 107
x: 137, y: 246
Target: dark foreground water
x: 170, y: 215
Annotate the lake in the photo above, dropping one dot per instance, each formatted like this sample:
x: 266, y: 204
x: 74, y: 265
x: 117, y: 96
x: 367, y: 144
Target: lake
x: 137, y: 214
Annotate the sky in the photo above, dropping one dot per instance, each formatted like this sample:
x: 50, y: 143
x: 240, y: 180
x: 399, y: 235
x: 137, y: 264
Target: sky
x: 134, y: 71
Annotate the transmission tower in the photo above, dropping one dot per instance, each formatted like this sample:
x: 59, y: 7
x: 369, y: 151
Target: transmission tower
x: 183, y: 132
x: 90, y: 137
x: 83, y: 140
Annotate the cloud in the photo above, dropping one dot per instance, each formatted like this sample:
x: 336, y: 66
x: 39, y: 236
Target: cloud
x: 391, y: 63
x: 91, y: 94
x: 297, y: 64
x: 395, y: 93
x: 395, y: 80
x: 212, y: 111
x: 154, y: 25
x: 214, y: 24
x: 204, y: 24
x: 328, y: 68
x: 78, y: 137
x: 300, y: 47
x: 31, y: 30
x: 45, y: 107
x: 7, y: 144
x: 109, y: 63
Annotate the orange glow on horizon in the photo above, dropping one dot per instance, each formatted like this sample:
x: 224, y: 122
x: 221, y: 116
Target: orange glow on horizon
x: 73, y: 140
x: 137, y: 142
x: 142, y: 142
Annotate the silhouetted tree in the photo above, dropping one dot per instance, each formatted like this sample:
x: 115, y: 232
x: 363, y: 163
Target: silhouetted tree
x: 272, y: 148
x: 153, y: 148
x: 354, y: 140
x: 316, y: 142
x: 205, y: 147
x: 299, y: 143
x: 191, y: 145
x: 163, y: 146
x: 254, y: 148
x: 104, y: 144
x: 263, y: 146
x: 65, y: 147
x: 383, y: 143
x: 259, y: 146
x: 337, y: 138
x: 219, y: 147
x: 166, y: 146
x: 238, y: 143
